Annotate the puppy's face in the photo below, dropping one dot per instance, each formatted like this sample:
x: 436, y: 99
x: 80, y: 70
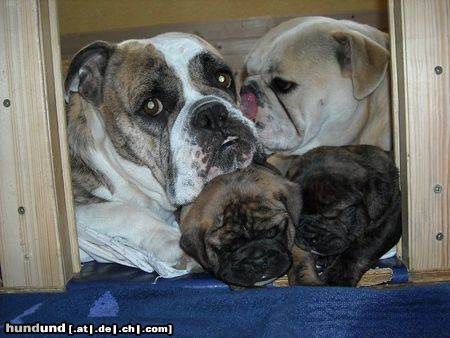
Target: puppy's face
x: 345, y: 190
x: 241, y: 226
x: 168, y: 103
x: 305, y: 80
x: 333, y: 217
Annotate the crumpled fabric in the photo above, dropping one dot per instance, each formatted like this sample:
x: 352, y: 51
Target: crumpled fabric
x: 104, y: 249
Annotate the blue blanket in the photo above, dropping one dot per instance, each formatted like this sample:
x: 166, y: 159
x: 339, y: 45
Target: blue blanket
x: 410, y: 311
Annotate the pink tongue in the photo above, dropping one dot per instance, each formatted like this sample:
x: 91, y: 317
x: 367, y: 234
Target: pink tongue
x: 249, y: 105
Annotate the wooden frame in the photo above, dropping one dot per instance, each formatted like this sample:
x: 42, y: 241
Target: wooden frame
x: 420, y: 32
x: 38, y: 244
x: 233, y: 38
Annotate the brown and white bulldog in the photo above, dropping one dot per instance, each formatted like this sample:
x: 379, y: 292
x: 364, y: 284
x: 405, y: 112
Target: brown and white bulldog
x: 150, y: 122
x: 316, y: 81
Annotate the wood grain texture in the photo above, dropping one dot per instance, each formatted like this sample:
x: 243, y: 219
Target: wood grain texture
x: 429, y: 276
x: 233, y: 38
x: 395, y: 114
x: 32, y: 254
x: 87, y: 16
x: 372, y: 277
x: 421, y: 43
x: 60, y: 149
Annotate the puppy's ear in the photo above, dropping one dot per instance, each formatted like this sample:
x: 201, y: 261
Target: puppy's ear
x: 292, y: 199
x: 365, y: 58
x: 379, y: 196
x: 193, y: 233
x: 193, y: 243
x: 87, y: 70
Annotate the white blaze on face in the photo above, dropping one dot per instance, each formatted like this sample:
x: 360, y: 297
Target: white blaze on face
x: 178, y: 50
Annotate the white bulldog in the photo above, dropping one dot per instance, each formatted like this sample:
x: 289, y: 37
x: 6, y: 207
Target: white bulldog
x: 316, y: 81
x: 150, y: 122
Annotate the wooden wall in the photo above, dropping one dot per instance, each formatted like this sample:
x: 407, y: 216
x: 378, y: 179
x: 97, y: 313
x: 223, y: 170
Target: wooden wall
x: 81, y: 16
x: 233, y: 38
x: 420, y: 33
x: 38, y: 248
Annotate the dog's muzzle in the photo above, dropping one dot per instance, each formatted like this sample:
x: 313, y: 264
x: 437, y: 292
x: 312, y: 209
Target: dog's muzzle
x: 311, y: 236
x: 256, y: 263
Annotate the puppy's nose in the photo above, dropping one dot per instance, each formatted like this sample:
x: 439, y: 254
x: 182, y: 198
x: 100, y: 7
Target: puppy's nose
x: 258, y: 256
x: 212, y: 116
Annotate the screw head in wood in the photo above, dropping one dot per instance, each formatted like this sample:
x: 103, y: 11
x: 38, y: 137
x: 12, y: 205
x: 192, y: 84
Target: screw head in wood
x: 6, y: 103
x: 437, y: 188
x: 438, y: 70
x: 21, y: 210
x: 440, y: 236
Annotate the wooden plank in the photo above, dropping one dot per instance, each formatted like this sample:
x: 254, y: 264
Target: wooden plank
x: 88, y: 16
x: 32, y: 254
x: 395, y: 35
x: 60, y: 148
x: 240, y: 29
x: 421, y: 44
x: 372, y: 277
x: 429, y: 276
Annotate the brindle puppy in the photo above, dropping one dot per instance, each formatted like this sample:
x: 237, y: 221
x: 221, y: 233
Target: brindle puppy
x: 351, y: 210
x: 241, y: 227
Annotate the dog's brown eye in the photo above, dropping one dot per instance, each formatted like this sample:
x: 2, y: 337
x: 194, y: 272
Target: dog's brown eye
x: 152, y: 106
x: 224, y: 79
x: 282, y: 86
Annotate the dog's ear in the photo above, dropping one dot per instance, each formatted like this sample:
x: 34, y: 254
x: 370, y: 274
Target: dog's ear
x: 292, y: 200
x: 87, y: 70
x: 192, y: 235
x: 193, y: 243
x: 379, y: 196
x: 364, y: 58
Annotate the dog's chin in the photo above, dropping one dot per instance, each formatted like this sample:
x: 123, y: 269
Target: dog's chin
x: 227, y: 158
x: 273, y: 143
x: 251, y: 279
x: 223, y: 158
x: 252, y: 267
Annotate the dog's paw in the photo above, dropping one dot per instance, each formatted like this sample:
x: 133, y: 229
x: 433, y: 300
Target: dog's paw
x: 186, y: 262
x: 304, y: 280
x: 334, y: 277
x: 301, y: 275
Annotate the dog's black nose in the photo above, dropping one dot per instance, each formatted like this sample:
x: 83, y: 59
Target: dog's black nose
x: 258, y: 256
x: 212, y: 116
x: 256, y: 263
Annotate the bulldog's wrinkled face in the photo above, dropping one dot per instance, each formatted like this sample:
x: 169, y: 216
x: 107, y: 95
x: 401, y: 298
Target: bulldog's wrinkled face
x: 332, y: 232
x: 333, y: 215
x: 241, y: 227
x: 304, y: 84
x: 344, y: 191
x: 168, y: 103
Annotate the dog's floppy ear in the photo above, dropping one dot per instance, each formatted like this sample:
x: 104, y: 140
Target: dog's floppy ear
x: 379, y: 196
x: 193, y: 243
x: 292, y: 199
x: 365, y: 58
x: 87, y: 70
x: 192, y: 235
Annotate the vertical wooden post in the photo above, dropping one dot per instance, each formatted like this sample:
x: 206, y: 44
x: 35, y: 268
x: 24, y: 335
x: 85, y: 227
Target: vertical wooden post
x: 420, y: 33
x: 38, y: 248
